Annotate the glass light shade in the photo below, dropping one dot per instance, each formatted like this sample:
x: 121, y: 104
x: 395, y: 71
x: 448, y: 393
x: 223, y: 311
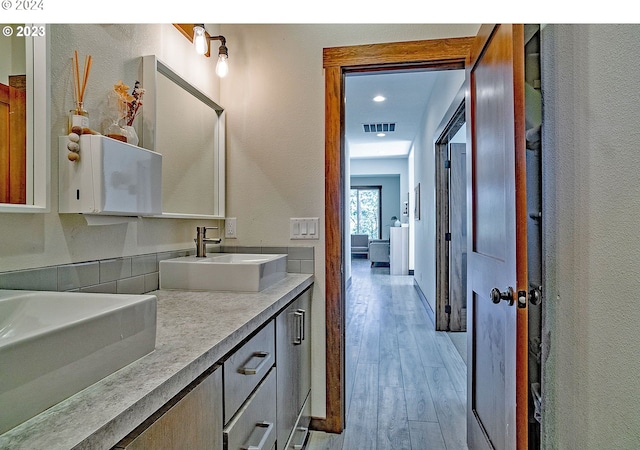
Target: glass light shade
x: 200, y: 40
x: 222, y: 67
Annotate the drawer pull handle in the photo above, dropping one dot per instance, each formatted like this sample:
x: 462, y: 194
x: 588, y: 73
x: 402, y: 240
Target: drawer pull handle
x: 263, y: 357
x: 303, y: 431
x: 263, y: 428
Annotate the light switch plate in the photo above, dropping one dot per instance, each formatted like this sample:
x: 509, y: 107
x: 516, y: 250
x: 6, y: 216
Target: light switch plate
x: 304, y: 228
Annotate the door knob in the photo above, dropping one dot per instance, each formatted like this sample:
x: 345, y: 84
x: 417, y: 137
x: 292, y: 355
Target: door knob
x: 497, y: 295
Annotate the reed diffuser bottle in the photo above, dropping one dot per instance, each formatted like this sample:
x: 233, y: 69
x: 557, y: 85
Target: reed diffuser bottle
x: 79, y: 117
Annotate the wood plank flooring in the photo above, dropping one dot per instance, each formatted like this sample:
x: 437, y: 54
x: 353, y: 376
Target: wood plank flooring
x: 405, y: 382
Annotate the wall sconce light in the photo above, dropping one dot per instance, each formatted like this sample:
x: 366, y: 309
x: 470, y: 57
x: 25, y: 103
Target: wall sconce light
x: 201, y: 42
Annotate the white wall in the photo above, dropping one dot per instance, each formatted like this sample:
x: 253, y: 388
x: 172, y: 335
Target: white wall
x: 13, y: 61
x: 274, y: 96
x: 591, y: 213
x: 424, y: 171
x: 37, y: 240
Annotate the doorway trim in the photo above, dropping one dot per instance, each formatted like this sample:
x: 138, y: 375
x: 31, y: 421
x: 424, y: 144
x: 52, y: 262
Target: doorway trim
x: 434, y: 54
x: 450, y: 124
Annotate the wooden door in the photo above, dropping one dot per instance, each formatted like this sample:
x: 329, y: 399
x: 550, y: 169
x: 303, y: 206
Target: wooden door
x: 458, y: 230
x: 13, y: 141
x: 497, y: 251
x: 5, y: 112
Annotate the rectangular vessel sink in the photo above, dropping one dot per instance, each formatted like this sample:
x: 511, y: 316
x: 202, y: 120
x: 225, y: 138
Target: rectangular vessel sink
x: 236, y: 272
x: 54, y: 344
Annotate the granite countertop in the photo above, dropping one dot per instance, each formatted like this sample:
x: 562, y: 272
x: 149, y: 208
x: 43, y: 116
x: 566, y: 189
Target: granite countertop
x: 194, y: 331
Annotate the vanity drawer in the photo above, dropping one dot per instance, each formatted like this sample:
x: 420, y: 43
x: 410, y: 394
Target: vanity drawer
x: 254, y: 426
x: 246, y: 367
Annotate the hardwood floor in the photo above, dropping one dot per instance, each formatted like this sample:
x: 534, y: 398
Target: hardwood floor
x: 405, y: 382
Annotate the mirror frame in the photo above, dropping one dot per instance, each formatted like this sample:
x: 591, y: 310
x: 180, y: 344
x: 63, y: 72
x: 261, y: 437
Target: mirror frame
x: 38, y: 129
x: 151, y: 67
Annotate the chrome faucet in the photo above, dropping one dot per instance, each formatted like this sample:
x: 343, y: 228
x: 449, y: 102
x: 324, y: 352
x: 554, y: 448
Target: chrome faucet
x: 202, y: 240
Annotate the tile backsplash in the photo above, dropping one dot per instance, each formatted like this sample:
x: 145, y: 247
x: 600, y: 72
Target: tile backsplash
x: 131, y: 274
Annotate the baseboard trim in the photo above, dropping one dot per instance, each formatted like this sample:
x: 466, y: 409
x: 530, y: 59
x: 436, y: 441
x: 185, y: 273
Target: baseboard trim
x: 425, y: 302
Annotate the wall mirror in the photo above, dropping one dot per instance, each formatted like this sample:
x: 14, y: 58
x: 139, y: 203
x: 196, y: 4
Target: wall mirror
x: 187, y: 128
x: 24, y: 131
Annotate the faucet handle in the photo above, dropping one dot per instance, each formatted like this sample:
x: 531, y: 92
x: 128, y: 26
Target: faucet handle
x: 203, y: 230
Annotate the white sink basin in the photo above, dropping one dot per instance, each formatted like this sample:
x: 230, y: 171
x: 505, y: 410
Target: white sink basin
x: 54, y: 344
x: 236, y: 272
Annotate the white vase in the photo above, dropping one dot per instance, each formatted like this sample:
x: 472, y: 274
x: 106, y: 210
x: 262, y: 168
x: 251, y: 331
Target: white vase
x: 132, y: 136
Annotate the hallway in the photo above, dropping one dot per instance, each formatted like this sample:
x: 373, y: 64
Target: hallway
x: 405, y: 382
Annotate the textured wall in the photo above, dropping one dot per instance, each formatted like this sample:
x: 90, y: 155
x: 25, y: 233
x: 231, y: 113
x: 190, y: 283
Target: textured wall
x: 591, y: 212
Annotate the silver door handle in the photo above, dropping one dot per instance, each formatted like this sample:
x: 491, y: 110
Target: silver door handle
x: 508, y: 295
x: 263, y: 357
x: 263, y: 428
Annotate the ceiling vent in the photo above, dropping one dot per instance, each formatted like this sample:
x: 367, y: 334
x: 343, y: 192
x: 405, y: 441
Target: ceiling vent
x: 379, y: 127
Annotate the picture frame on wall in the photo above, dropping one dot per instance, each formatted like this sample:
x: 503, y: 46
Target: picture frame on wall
x: 416, y: 206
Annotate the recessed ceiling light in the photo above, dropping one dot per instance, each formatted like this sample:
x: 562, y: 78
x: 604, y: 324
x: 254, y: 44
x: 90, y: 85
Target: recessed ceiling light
x: 379, y: 98
x: 381, y: 135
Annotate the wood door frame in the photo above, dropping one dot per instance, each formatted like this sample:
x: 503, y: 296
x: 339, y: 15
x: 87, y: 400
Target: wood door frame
x: 448, y: 127
x: 435, y: 54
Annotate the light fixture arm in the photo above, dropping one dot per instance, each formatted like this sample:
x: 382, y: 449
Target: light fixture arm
x: 222, y: 50
x: 220, y: 38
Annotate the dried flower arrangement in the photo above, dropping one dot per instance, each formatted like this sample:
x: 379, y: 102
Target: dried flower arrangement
x: 128, y: 103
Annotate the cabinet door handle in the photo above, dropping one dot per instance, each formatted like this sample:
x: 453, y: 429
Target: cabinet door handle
x: 263, y: 428
x: 253, y: 369
x: 303, y: 319
x: 299, y: 327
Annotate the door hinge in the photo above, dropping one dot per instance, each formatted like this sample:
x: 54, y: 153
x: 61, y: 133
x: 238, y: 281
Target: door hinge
x: 447, y: 309
x: 447, y: 164
x: 447, y: 236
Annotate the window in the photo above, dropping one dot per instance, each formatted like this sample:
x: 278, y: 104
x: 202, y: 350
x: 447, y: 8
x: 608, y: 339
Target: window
x: 365, y: 208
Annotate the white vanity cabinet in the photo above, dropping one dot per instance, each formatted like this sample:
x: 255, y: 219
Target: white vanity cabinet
x: 293, y: 360
x: 192, y: 419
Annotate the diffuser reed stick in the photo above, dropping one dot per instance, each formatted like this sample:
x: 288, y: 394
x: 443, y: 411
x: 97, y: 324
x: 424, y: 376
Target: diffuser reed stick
x: 87, y: 70
x: 76, y: 78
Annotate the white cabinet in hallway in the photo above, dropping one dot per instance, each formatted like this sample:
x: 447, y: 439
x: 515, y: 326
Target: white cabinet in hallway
x: 399, y: 252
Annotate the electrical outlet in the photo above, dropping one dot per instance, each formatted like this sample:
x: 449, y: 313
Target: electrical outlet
x: 230, y: 227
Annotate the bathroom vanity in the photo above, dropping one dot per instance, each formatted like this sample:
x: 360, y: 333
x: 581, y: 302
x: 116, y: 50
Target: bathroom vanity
x: 178, y: 393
